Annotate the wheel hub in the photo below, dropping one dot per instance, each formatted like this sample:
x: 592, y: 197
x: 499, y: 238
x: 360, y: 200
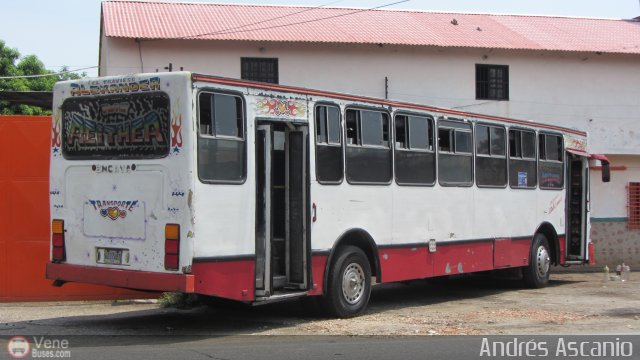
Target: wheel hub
x: 353, y: 283
x: 542, y: 262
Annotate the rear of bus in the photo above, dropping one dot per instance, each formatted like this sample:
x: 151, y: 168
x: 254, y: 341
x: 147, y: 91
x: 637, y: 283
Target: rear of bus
x: 120, y: 182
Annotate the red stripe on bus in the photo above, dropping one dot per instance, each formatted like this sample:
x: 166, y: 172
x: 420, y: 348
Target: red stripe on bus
x: 140, y: 280
x: 233, y: 279
x: 283, y: 88
x: 318, y: 266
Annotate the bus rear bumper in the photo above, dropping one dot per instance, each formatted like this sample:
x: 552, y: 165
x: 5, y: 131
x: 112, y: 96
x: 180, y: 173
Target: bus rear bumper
x: 138, y: 280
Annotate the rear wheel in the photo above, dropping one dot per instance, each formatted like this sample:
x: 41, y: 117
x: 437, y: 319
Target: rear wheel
x: 536, y: 275
x: 349, y: 283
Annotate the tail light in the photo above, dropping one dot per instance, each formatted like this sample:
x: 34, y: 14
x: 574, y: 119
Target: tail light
x: 171, y: 246
x: 58, y: 252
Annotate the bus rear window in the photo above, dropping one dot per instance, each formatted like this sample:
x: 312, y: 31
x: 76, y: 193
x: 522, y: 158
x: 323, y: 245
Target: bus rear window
x: 135, y: 126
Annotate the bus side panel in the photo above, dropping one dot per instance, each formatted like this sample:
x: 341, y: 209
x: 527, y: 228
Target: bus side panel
x: 318, y: 269
x: 463, y: 257
x: 405, y: 263
x: 511, y: 252
x: 232, y: 279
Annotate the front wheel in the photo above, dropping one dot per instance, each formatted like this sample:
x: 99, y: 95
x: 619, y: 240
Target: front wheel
x: 536, y: 275
x: 349, y: 285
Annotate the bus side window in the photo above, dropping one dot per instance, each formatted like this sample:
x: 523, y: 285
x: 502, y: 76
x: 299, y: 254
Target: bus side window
x: 455, y: 158
x: 221, y: 145
x: 368, y: 151
x: 491, y: 156
x: 523, y: 170
x: 328, y: 145
x: 550, y: 166
x: 414, y: 156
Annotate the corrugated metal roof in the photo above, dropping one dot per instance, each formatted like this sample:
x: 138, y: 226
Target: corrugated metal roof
x: 210, y: 21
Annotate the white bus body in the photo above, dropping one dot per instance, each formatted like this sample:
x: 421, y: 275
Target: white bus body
x: 255, y: 192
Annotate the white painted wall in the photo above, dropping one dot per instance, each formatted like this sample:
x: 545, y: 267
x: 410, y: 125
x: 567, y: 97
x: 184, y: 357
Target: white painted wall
x: 610, y: 200
x: 587, y: 91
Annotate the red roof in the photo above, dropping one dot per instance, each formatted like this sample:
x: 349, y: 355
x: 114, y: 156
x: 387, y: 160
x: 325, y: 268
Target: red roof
x: 209, y: 21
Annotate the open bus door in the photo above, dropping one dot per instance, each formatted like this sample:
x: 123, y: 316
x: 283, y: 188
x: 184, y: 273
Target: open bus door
x: 282, y: 244
x: 577, y: 230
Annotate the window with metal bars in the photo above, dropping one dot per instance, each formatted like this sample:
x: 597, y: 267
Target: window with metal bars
x: 259, y: 69
x: 633, y: 205
x: 492, y: 82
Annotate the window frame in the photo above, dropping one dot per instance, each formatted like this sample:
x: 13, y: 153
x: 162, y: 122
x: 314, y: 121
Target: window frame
x: 534, y: 159
x: 438, y: 151
x: 341, y: 145
x: 199, y: 135
x: 484, y: 86
x: 430, y: 120
x: 562, y: 161
x: 505, y: 157
x: 389, y: 147
x: 274, y: 61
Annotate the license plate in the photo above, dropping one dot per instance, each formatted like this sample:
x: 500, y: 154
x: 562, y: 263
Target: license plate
x: 110, y: 256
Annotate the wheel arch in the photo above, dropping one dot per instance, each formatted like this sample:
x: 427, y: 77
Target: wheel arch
x: 361, y: 239
x: 550, y: 233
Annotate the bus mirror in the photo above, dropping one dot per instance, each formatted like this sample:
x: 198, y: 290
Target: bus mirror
x: 606, y: 172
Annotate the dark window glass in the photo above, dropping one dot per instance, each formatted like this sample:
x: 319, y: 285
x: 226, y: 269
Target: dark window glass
x: 259, y: 69
x: 328, y: 145
x: 333, y: 125
x: 445, y: 140
x: 463, y: 142
x: 414, y: 159
x: 455, y: 163
x: 221, y: 145
x: 528, y: 145
x: 482, y: 140
x: 420, y: 136
x: 401, y: 132
x: 522, y: 159
x: 498, y: 146
x: 491, y: 160
x: 492, y: 82
x: 372, y: 128
x: 368, y: 154
x: 132, y: 126
x: 550, y: 166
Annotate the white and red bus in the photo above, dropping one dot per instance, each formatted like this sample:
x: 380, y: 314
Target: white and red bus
x: 259, y: 192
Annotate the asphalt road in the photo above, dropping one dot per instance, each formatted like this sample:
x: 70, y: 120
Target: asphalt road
x: 395, y: 326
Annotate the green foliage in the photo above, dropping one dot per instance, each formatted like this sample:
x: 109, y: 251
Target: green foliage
x: 11, y: 64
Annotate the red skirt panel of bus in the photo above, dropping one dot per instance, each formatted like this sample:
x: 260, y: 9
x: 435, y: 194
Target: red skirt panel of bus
x: 140, y: 280
x: 230, y: 279
x: 405, y: 263
x: 318, y: 266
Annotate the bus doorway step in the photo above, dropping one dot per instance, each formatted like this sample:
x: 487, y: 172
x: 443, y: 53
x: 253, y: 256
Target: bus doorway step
x: 277, y: 297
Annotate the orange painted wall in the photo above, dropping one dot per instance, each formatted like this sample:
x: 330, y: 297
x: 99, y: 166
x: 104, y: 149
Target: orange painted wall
x: 24, y: 217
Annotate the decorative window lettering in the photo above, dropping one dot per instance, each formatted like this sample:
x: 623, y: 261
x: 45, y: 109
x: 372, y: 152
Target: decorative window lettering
x: 116, y: 127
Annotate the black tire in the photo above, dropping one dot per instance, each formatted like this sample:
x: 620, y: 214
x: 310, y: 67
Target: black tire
x: 349, y: 283
x: 536, y: 274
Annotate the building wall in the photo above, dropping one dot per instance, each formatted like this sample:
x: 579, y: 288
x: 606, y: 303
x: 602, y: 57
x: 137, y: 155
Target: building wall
x: 594, y: 92
x: 24, y: 217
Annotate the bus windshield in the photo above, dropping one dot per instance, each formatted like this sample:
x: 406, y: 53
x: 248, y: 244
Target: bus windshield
x: 131, y: 126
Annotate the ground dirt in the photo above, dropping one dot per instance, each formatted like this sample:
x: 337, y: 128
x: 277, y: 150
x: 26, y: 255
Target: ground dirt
x: 573, y: 303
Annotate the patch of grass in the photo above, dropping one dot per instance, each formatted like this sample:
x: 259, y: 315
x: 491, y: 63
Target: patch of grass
x: 177, y: 300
